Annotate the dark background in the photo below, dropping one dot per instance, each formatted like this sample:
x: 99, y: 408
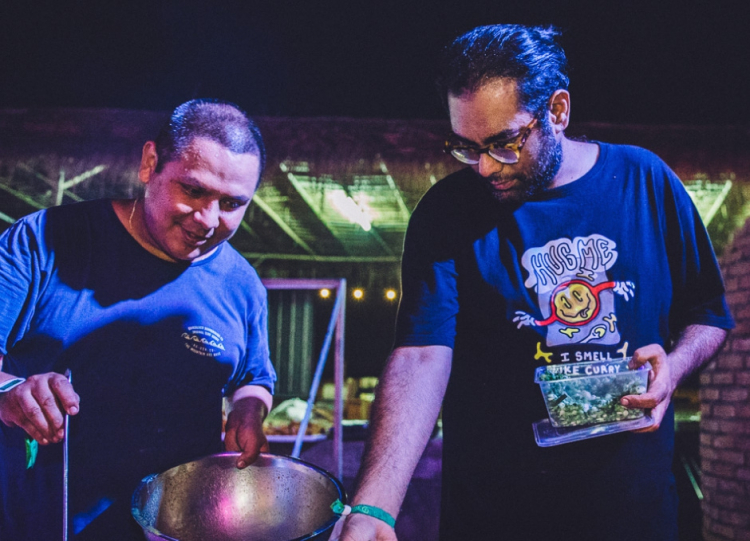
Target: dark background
x: 644, y: 62
x: 631, y: 61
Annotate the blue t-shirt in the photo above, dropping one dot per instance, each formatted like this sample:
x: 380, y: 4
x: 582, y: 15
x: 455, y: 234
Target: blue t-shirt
x: 484, y: 280
x: 152, y: 345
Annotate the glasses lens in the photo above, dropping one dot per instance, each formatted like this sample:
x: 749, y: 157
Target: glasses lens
x: 504, y: 155
x: 465, y: 155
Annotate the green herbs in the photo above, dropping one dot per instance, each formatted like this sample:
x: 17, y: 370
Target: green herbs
x: 591, y: 400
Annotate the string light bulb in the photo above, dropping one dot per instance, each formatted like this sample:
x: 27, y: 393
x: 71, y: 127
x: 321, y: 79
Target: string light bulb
x: 358, y: 294
x: 325, y: 293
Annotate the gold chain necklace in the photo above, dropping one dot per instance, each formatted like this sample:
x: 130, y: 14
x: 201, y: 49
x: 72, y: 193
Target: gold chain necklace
x: 132, y: 212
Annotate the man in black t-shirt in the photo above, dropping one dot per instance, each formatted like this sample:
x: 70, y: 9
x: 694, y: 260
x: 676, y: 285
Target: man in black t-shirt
x: 544, y: 251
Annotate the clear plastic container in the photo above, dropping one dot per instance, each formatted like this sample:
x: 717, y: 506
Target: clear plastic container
x: 547, y: 435
x: 588, y: 393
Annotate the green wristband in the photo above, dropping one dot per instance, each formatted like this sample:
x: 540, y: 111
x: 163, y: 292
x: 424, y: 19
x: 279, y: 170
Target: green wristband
x: 340, y: 509
x: 376, y: 512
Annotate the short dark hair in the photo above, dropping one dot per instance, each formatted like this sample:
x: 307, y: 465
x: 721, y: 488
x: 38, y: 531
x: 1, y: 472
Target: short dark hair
x: 220, y: 121
x: 529, y: 55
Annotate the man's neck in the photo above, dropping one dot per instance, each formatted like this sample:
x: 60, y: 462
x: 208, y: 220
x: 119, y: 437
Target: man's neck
x: 577, y: 159
x: 131, y: 216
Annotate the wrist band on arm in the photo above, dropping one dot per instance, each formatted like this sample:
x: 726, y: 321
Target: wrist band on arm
x: 9, y: 384
x: 341, y: 509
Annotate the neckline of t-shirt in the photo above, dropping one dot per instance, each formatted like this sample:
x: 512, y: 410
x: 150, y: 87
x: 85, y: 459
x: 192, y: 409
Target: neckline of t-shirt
x: 109, y: 208
x: 580, y: 183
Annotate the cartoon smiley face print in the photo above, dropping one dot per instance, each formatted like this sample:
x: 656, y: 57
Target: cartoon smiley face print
x: 576, y: 299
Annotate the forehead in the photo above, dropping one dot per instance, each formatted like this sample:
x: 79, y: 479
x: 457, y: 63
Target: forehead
x: 209, y: 162
x: 491, y: 109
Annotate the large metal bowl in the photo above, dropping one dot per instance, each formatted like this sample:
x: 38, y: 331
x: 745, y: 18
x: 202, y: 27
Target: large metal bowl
x: 274, y: 499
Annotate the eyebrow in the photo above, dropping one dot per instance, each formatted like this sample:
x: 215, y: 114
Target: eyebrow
x: 505, y: 135
x: 240, y: 199
x: 197, y: 184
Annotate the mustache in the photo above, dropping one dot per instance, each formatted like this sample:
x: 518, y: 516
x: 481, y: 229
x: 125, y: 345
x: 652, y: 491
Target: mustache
x: 204, y: 234
x: 499, y: 178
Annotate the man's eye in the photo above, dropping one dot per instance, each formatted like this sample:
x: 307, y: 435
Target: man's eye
x: 505, y: 142
x: 230, y: 204
x: 500, y: 144
x: 192, y: 191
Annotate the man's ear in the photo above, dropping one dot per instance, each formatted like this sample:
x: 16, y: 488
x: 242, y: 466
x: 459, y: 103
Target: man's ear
x: 149, y: 160
x: 559, y: 108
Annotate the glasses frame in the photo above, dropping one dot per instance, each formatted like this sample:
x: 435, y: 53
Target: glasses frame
x: 516, y: 145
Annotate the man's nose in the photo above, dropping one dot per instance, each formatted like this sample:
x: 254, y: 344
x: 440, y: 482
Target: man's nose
x: 488, y: 165
x: 207, y: 216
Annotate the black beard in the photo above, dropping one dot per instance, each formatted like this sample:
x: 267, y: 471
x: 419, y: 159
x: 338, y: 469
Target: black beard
x: 541, y: 174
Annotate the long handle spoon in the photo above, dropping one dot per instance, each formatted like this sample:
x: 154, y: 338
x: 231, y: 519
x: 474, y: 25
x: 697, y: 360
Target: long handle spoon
x: 65, y: 466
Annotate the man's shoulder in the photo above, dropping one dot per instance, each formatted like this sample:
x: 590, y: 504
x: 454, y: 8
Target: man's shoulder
x: 57, y: 219
x: 454, y: 210
x: 631, y: 154
x: 30, y: 222
x: 81, y: 208
x: 95, y: 211
x: 232, y: 263
x: 635, y: 165
x: 454, y: 181
x: 642, y: 171
x: 459, y: 190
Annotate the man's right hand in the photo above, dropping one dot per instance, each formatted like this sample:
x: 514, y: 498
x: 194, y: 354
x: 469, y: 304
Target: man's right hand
x: 358, y: 527
x: 39, y: 405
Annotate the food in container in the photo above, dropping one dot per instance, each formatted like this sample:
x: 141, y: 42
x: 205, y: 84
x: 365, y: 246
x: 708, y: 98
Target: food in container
x: 588, y: 393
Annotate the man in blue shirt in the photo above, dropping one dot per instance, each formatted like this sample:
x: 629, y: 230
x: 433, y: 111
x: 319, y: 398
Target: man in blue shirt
x: 155, y: 315
x: 545, y: 250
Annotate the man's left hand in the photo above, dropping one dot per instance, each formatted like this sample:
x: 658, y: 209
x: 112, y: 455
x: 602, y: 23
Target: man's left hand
x: 660, y: 388
x: 244, y: 430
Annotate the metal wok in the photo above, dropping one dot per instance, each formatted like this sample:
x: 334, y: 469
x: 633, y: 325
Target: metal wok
x: 275, y: 499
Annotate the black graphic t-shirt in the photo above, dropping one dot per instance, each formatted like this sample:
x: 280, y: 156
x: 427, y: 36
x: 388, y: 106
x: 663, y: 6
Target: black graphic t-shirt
x: 591, y: 270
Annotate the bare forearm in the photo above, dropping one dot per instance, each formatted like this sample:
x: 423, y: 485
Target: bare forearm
x: 404, y: 413
x: 695, y: 346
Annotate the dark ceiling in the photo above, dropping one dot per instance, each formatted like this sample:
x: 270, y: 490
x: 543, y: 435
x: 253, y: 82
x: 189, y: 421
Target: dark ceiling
x: 642, y: 61
x: 337, y: 194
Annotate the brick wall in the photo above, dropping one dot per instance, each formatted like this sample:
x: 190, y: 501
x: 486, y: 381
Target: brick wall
x: 725, y: 411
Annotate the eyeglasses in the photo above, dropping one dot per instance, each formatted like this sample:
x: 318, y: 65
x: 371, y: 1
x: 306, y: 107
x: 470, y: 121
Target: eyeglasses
x: 508, y: 152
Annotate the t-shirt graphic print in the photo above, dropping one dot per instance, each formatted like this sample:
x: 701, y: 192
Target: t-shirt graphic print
x: 576, y: 299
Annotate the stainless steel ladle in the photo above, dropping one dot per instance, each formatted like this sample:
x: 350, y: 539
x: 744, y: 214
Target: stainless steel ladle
x: 65, y: 466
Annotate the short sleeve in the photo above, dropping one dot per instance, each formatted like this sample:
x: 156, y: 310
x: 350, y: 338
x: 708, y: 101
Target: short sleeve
x: 22, y: 270
x: 256, y: 368
x: 698, y: 287
x: 429, y: 302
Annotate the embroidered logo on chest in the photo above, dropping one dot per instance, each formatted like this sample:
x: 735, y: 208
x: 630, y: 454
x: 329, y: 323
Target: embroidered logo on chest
x: 203, y: 341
